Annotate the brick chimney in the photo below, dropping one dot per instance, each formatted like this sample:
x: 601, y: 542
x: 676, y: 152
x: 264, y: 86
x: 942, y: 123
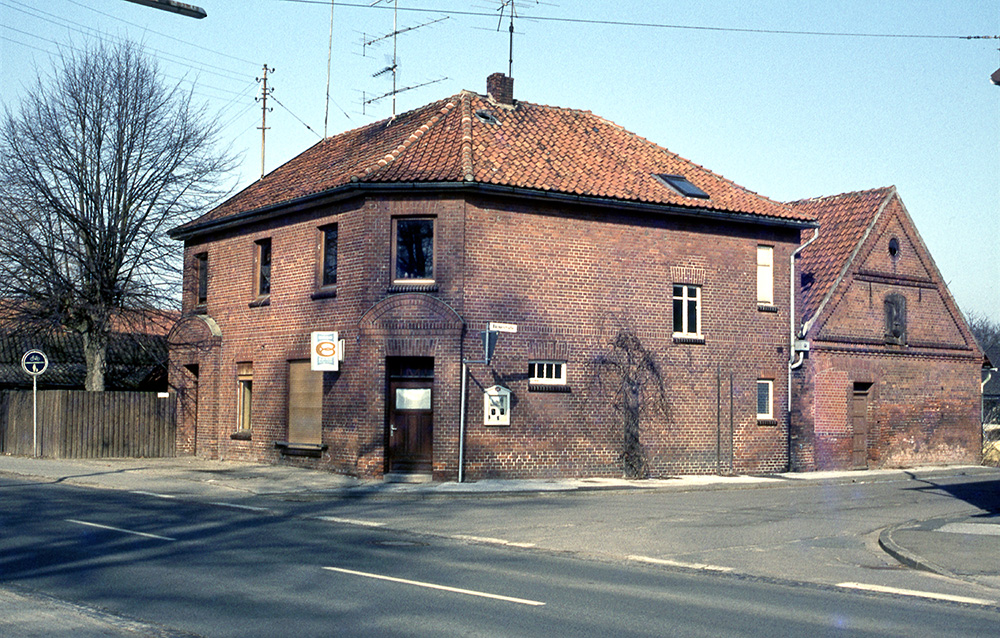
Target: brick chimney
x: 500, y: 88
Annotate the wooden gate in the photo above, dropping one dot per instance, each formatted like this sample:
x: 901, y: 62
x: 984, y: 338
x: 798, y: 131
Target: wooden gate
x: 73, y: 424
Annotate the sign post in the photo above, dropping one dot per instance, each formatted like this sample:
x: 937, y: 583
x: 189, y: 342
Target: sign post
x: 34, y: 363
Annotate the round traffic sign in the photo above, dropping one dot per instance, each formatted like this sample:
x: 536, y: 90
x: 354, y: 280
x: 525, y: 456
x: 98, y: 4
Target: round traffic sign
x: 34, y: 362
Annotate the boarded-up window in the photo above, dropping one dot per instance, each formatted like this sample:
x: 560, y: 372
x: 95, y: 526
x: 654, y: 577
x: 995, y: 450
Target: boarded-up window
x: 895, y: 319
x: 305, y: 403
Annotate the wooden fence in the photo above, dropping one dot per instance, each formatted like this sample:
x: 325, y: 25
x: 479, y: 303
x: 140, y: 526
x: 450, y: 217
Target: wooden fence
x: 73, y: 424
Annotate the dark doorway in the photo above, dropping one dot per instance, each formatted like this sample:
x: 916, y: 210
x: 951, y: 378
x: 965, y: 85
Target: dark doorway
x: 859, y: 425
x: 410, y: 423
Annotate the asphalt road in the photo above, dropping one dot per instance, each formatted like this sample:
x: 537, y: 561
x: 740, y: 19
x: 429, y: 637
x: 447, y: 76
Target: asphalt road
x: 326, y: 569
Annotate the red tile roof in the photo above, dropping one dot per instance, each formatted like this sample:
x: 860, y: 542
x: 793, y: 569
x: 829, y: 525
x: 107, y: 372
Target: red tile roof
x: 530, y: 146
x: 843, y: 221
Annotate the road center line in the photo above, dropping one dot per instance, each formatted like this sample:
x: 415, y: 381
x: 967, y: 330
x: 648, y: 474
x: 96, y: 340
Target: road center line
x: 919, y: 594
x: 145, y: 493
x: 454, y: 590
x: 677, y: 563
x: 348, y: 521
x: 491, y: 541
x: 242, y: 507
x: 119, y: 529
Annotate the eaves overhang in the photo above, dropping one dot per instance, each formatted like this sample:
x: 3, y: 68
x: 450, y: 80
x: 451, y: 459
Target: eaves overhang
x: 358, y: 189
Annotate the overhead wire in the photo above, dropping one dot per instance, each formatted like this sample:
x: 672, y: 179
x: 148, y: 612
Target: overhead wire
x: 228, y: 74
x: 656, y: 25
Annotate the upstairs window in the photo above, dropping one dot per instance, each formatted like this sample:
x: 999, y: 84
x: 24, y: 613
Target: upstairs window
x: 328, y: 256
x: 687, y: 311
x: 765, y: 276
x: 201, y: 273
x: 413, y: 250
x: 262, y: 280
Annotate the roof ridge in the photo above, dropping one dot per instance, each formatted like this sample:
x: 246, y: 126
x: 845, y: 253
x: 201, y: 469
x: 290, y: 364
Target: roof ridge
x: 823, y: 198
x: 414, y: 137
x: 468, y: 171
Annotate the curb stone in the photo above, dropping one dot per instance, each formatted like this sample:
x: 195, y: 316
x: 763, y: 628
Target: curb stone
x: 905, y: 556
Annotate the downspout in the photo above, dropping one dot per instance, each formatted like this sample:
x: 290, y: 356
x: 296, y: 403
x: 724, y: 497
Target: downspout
x: 794, y: 358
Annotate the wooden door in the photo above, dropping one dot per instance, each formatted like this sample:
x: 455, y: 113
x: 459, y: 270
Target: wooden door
x: 410, y: 446
x: 859, y: 425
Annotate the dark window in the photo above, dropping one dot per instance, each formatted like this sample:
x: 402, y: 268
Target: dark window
x: 681, y: 184
x: 329, y: 277
x: 894, y: 248
x: 895, y: 319
x: 263, y: 267
x: 201, y: 265
x: 415, y: 249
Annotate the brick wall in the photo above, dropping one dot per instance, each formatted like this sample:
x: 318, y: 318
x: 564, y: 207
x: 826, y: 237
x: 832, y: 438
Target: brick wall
x: 563, y: 275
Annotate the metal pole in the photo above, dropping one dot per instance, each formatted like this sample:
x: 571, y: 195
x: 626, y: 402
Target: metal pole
x: 461, y: 428
x: 34, y: 414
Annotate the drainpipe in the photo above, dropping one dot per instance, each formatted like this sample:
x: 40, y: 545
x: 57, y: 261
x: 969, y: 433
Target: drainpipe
x: 461, y: 426
x: 794, y: 358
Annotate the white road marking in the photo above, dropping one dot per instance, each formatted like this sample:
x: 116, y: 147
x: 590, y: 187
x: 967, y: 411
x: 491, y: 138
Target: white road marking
x: 919, y: 594
x: 349, y: 521
x: 454, y: 590
x: 123, y: 531
x: 145, y: 493
x: 491, y: 541
x: 677, y: 563
x: 242, y: 507
x: 982, y: 529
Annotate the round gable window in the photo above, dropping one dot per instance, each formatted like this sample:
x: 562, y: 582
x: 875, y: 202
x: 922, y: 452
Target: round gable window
x: 894, y: 248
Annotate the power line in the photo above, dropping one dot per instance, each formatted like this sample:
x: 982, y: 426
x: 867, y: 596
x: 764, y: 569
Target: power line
x: 655, y: 25
x: 198, y: 46
x: 296, y: 117
x: 228, y: 74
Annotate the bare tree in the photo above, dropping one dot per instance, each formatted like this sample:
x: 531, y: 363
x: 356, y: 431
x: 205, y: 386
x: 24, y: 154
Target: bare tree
x: 628, y: 372
x: 99, y: 161
x: 987, y: 333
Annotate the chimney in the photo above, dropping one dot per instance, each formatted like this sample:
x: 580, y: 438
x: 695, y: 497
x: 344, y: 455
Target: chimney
x: 500, y: 88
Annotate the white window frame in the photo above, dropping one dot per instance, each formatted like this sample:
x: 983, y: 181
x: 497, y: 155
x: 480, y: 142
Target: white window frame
x: 546, y: 372
x: 765, y: 275
x: 685, y: 298
x: 769, y: 415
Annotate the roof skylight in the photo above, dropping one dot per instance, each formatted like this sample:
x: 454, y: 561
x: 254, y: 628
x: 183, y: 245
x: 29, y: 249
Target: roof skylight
x: 681, y: 184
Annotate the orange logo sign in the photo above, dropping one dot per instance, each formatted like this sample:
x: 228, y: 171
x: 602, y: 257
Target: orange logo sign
x: 326, y: 349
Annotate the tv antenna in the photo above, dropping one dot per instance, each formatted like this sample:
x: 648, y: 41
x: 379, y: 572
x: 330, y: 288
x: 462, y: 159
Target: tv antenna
x: 393, y: 65
x: 509, y: 7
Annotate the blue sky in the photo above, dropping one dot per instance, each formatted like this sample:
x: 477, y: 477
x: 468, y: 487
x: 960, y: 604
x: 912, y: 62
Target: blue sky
x: 787, y: 115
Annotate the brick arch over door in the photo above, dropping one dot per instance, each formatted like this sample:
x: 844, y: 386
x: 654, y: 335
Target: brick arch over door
x: 409, y: 313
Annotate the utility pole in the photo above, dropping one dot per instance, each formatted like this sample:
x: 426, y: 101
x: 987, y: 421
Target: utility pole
x: 264, y: 92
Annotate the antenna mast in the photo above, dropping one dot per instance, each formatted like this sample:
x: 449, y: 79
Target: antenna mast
x: 394, y: 66
x: 264, y: 92
x: 513, y: 14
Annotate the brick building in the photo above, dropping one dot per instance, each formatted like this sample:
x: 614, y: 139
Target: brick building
x: 613, y: 257
x: 892, y: 376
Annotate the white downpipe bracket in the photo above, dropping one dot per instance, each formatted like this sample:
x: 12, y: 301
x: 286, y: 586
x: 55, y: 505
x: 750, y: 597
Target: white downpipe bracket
x: 794, y: 358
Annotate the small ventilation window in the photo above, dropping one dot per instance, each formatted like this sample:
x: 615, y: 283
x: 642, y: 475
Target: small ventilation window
x: 894, y: 248
x: 487, y: 117
x: 681, y: 184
